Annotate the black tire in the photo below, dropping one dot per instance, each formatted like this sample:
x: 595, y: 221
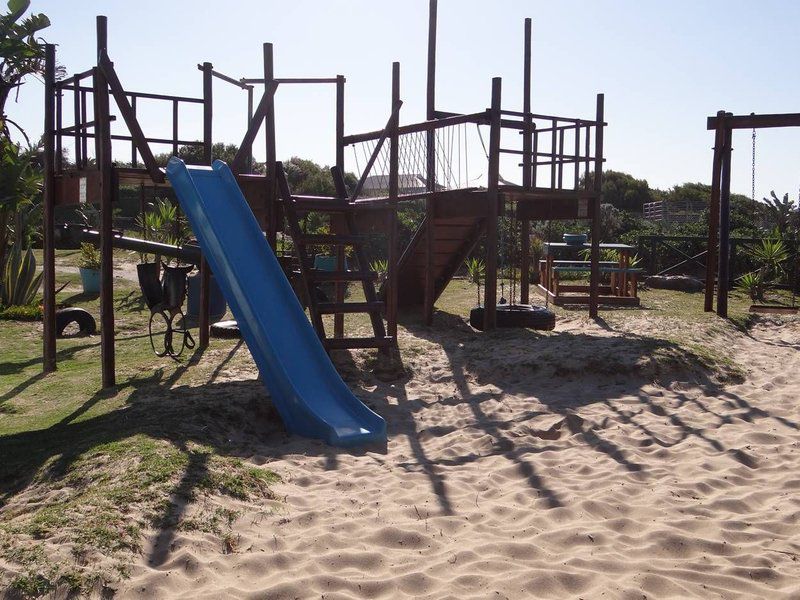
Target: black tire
x: 84, y: 320
x: 517, y: 315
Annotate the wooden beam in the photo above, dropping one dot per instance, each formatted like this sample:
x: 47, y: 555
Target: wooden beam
x: 493, y: 200
x: 103, y: 157
x: 48, y: 217
x: 723, y: 267
x: 110, y: 78
x: 204, y: 320
x: 713, y: 216
x: 430, y: 161
x: 270, y: 87
x: 594, y: 276
x: 527, y: 159
x: 394, y: 176
x: 237, y: 165
x: 376, y: 151
x: 754, y: 121
x: 208, y: 112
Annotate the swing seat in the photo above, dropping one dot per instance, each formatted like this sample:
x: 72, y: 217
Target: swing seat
x: 521, y: 316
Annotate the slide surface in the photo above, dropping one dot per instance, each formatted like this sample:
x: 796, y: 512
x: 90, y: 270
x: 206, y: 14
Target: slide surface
x: 311, y: 398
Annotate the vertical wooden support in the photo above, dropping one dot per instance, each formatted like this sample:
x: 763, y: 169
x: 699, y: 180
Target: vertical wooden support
x: 430, y: 229
x: 394, y: 175
x: 337, y: 224
x: 76, y: 107
x: 269, y: 133
x: 713, y: 214
x: 527, y: 158
x: 103, y: 156
x: 249, y: 118
x: 175, y: 128
x: 48, y: 219
x: 723, y: 268
x: 493, y: 208
x: 204, y: 309
x: 134, y: 153
x: 59, y: 151
x: 594, y: 278
x: 208, y: 112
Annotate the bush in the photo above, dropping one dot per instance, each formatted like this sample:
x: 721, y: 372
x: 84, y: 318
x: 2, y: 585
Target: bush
x: 30, y: 312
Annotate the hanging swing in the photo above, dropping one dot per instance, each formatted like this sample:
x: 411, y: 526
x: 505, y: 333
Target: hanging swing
x: 508, y: 312
x: 775, y: 308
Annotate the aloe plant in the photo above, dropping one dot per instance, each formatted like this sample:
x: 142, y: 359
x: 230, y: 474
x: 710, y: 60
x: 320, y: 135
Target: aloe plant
x: 752, y: 284
x: 20, y: 281
x: 381, y: 267
x: 476, y: 270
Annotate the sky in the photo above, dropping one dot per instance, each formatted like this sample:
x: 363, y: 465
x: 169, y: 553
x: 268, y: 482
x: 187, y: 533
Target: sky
x: 663, y: 67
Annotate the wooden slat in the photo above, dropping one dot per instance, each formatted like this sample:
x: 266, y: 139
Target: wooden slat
x: 358, y: 342
x: 329, y: 308
x: 317, y: 275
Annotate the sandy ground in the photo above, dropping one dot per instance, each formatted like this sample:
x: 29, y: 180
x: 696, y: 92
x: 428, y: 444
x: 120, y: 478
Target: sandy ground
x: 577, y: 465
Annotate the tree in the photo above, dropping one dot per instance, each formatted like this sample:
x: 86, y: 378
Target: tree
x: 21, y: 52
x: 623, y: 191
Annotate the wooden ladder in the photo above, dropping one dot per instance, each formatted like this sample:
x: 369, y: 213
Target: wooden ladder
x: 295, y: 206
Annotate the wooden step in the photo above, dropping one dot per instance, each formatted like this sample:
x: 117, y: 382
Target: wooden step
x: 358, y: 342
x: 332, y: 239
x: 329, y: 308
x: 318, y: 275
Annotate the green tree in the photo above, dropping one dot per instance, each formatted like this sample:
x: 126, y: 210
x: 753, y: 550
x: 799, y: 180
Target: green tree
x: 21, y: 52
x: 624, y: 191
x: 782, y: 213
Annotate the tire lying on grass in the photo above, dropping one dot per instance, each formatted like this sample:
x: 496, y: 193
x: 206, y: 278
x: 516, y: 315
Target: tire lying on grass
x: 66, y: 316
x: 517, y: 315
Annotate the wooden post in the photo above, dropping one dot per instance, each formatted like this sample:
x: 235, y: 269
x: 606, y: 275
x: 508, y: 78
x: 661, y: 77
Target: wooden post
x: 337, y: 222
x: 493, y: 209
x: 430, y: 182
x: 204, y: 318
x: 394, y: 175
x: 527, y: 159
x: 713, y: 214
x: 249, y: 118
x: 48, y: 220
x: 103, y: 157
x: 208, y: 112
x: 724, y: 223
x: 594, y: 277
x: 269, y: 133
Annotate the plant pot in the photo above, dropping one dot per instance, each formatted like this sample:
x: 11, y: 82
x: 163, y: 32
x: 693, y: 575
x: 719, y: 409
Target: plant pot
x: 216, y: 301
x: 90, y: 278
x: 574, y: 239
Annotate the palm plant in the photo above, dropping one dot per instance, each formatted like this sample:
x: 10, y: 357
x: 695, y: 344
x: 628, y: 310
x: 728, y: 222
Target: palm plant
x: 476, y: 270
x: 381, y: 267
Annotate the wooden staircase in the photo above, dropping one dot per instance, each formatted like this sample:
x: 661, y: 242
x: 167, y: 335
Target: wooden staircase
x: 453, y: 239
x: 297, y: 206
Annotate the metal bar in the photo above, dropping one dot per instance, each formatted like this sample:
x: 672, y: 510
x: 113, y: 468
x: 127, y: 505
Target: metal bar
x: 713, y: 216
x: 103, y: 157
x: 493, y: 209
x: 594, y: 276
x: 187, y: 254
x: 48, y: 216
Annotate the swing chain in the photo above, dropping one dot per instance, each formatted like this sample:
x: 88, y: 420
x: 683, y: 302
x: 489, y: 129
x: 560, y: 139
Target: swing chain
x: 753, y: 179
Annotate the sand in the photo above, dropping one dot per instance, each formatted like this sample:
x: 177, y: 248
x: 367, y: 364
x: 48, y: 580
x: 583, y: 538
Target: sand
x: 588, y: 463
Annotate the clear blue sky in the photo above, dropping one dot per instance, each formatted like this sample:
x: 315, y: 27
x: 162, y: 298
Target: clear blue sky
x: 663, y: 66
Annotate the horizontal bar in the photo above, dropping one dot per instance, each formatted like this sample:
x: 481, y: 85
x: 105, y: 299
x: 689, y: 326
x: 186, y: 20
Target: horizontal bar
x: 223, y: 77
x: 573, y: 120
x: 756, y: 121
x: 571, y: 157
x: 480, y: 117
x: 73, y: 79
x: 145, y: 95
x: 71, y: 128
x: 520, y: 125
x: 128, y: 138
x: 190, y: 254
x: 292, y: 80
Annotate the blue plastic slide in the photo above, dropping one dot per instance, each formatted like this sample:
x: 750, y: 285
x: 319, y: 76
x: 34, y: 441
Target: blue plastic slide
x: 306, y: 389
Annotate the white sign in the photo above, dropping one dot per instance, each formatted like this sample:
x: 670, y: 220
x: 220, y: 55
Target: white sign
x: 82, y: 189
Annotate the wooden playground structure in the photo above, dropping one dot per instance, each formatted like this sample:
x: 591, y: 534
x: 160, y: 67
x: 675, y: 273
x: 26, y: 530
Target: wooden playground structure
x: 560, y: 158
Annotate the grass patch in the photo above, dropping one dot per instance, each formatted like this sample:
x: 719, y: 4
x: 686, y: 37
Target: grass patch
x: 32, y: 312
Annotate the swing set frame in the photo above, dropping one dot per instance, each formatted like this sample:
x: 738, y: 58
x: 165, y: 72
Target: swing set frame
x: 719, y: 210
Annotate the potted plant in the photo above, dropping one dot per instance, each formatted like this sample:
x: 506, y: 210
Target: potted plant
x: 89, y: 267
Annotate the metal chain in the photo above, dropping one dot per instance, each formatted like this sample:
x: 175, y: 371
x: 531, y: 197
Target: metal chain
x: 753, y: 182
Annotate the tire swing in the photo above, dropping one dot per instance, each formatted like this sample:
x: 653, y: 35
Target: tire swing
x: 509, y: 313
